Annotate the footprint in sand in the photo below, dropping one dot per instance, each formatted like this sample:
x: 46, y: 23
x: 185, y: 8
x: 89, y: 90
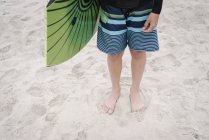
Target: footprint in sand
x: 35, y: 91
x: 7, y: 106
x: 159, y: 63
x: 30, y: 37
x: 50, y: 116
x: 5, y: 49
x: 122, y: 123
x: 66, y: 136
x: 9, y: 76
x: 77, y: 70
x: 38, y: 109
x: 15, y: 23
x: 25, y: 18
x: 81, y: 135
x: 58, y: 100
x: 97, y: 92
x: 32, y: 4
x: 6, y: 53
x: 45, y: 72
x: 190, y: 81
x: 80, y: 68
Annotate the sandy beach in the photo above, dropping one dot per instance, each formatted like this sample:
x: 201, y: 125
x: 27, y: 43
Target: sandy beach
x: 61, y: 102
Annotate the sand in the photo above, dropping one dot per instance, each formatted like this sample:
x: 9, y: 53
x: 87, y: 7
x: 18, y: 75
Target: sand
x: 60, y: 102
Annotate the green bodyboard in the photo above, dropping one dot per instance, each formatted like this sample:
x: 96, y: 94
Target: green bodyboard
x: 70, y: 24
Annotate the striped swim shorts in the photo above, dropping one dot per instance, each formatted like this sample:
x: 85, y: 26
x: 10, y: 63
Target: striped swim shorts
x: 116, y: 30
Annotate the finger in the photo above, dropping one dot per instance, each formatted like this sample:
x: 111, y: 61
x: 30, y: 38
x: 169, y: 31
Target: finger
x: 146, y: 24
x: 146, y: 29
x: 150, y: 29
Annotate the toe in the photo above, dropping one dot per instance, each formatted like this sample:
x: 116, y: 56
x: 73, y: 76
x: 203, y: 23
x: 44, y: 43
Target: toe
x: 134, y: 110
x: 105, y: 108
x: 110, y: 111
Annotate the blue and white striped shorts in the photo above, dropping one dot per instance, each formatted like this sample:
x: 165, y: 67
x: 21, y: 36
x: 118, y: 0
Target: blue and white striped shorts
x: 115, y: 30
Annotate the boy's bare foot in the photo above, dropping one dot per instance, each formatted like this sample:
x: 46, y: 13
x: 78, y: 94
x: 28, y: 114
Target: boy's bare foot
x: 110, y: 103
x: 136, y: 100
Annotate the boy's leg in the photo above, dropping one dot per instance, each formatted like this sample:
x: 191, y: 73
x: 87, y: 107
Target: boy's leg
x: 111, y: 39
x: 138, y: 63
x: 115, y: 67
x: 139, y: 43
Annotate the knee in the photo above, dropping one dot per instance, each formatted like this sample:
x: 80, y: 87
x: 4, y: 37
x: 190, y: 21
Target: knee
x: 115, y: 57
x: 138, y: 54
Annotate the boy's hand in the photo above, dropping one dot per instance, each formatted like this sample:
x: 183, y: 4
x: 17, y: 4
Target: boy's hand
x: 151, y: 22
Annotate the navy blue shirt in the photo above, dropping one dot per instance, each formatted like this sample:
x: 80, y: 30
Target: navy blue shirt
x: 157, y: 4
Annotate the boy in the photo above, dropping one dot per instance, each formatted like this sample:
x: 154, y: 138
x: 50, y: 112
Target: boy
x: 131, y: 22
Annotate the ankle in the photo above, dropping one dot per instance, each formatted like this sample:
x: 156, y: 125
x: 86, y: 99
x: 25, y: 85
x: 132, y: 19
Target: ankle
x: 116, y: 90
x: 134, y: 90
x: 116, y: 87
